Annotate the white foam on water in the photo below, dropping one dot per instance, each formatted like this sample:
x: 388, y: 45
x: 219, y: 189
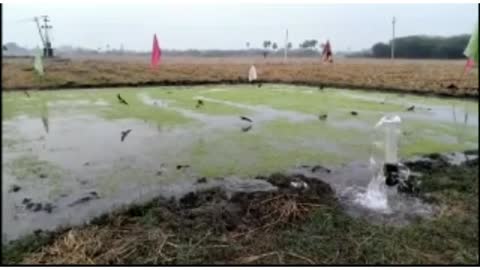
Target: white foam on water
x: 375, y: 197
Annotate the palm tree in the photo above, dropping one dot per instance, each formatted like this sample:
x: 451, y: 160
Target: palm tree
x: 266, y: 45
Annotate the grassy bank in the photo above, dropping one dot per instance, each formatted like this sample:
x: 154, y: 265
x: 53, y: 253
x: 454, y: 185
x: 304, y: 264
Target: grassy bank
x: 284, y: 229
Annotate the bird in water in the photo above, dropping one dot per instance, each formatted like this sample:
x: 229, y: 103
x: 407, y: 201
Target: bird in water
x: 353, y: 113
x: 259, y: 85
x: 124, y: 134
x: 199, y: 103
x: 244, y: 118
x: 121, y: 100
x: 179, y: 167
x: 246, y: 129
x: 26, y: 93
x: 322, y: 116
x: 320, y: 87
x: 45, y: 123
x: 412, y: 108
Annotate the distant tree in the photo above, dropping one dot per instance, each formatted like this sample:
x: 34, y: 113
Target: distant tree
x: 4, y: 48
x: 308, y: 44
x: 289, y: 45
x: 267, y: 44
x: 248, y: 45
x: 381, y: 50
x: 274, y: 46
x: 424, y: 47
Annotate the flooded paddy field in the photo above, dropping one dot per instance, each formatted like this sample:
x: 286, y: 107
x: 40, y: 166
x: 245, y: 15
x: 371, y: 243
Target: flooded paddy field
x: 70, y: 155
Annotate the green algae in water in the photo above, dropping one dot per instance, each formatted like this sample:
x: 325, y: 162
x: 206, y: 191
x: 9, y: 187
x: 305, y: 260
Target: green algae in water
x: 16, y: 105
x: 299, y: 101
x: 250, y: 154
x: 30, y: 169
x: 274, y: 145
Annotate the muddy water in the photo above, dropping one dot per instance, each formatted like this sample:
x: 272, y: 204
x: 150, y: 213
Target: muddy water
x: 350, y: 181
x: 79, y: 167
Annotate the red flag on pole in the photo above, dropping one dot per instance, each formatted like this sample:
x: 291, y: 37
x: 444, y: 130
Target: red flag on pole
x: 156, y: 52
x: 469, y: 65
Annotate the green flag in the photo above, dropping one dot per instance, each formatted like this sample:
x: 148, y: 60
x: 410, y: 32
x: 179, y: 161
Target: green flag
x: 38, y: 64
x: 472, y: 48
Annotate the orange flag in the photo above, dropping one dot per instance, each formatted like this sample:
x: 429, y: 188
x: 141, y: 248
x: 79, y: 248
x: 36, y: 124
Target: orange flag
x: 156, y: 53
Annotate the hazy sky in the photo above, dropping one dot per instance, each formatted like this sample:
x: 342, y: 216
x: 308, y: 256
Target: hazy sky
x: 230, y: 26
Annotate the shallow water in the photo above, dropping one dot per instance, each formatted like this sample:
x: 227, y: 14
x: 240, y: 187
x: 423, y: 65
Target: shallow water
x: 381, y: 205
x: 81, y: 152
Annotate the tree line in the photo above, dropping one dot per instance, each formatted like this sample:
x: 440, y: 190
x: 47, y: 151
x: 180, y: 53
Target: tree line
x: 405, y: 47
x: 421, y: 47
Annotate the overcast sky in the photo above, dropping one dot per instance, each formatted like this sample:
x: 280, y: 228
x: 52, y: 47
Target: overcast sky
x: 230, y: 26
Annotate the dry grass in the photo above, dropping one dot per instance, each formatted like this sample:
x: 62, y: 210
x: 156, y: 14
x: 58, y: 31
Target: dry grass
x: 424, y: 76
x: 111, y: 244
x: 282, y: 209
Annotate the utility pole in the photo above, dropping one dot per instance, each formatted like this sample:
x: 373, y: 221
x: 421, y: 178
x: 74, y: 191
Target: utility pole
x: 47, y: 44
x: 285, y: 50
x: 393, y: 38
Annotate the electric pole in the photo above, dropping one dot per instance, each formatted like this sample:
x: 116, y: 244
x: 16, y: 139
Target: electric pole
x: 285, y: 54
x: 47, y: 44
x: 393, y: 38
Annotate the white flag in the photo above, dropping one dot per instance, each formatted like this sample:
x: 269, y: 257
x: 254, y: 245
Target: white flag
x: 252, y: 74
x: 38, y: 64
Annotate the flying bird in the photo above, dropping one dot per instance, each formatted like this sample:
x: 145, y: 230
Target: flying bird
x: 121, y: 100
x: 124, y: 134
x: 244, y: 118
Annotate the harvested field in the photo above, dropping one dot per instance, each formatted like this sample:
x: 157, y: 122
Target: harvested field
x: 419, y: 76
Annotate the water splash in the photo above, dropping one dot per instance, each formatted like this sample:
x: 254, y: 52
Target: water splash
x: 387, y: 171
